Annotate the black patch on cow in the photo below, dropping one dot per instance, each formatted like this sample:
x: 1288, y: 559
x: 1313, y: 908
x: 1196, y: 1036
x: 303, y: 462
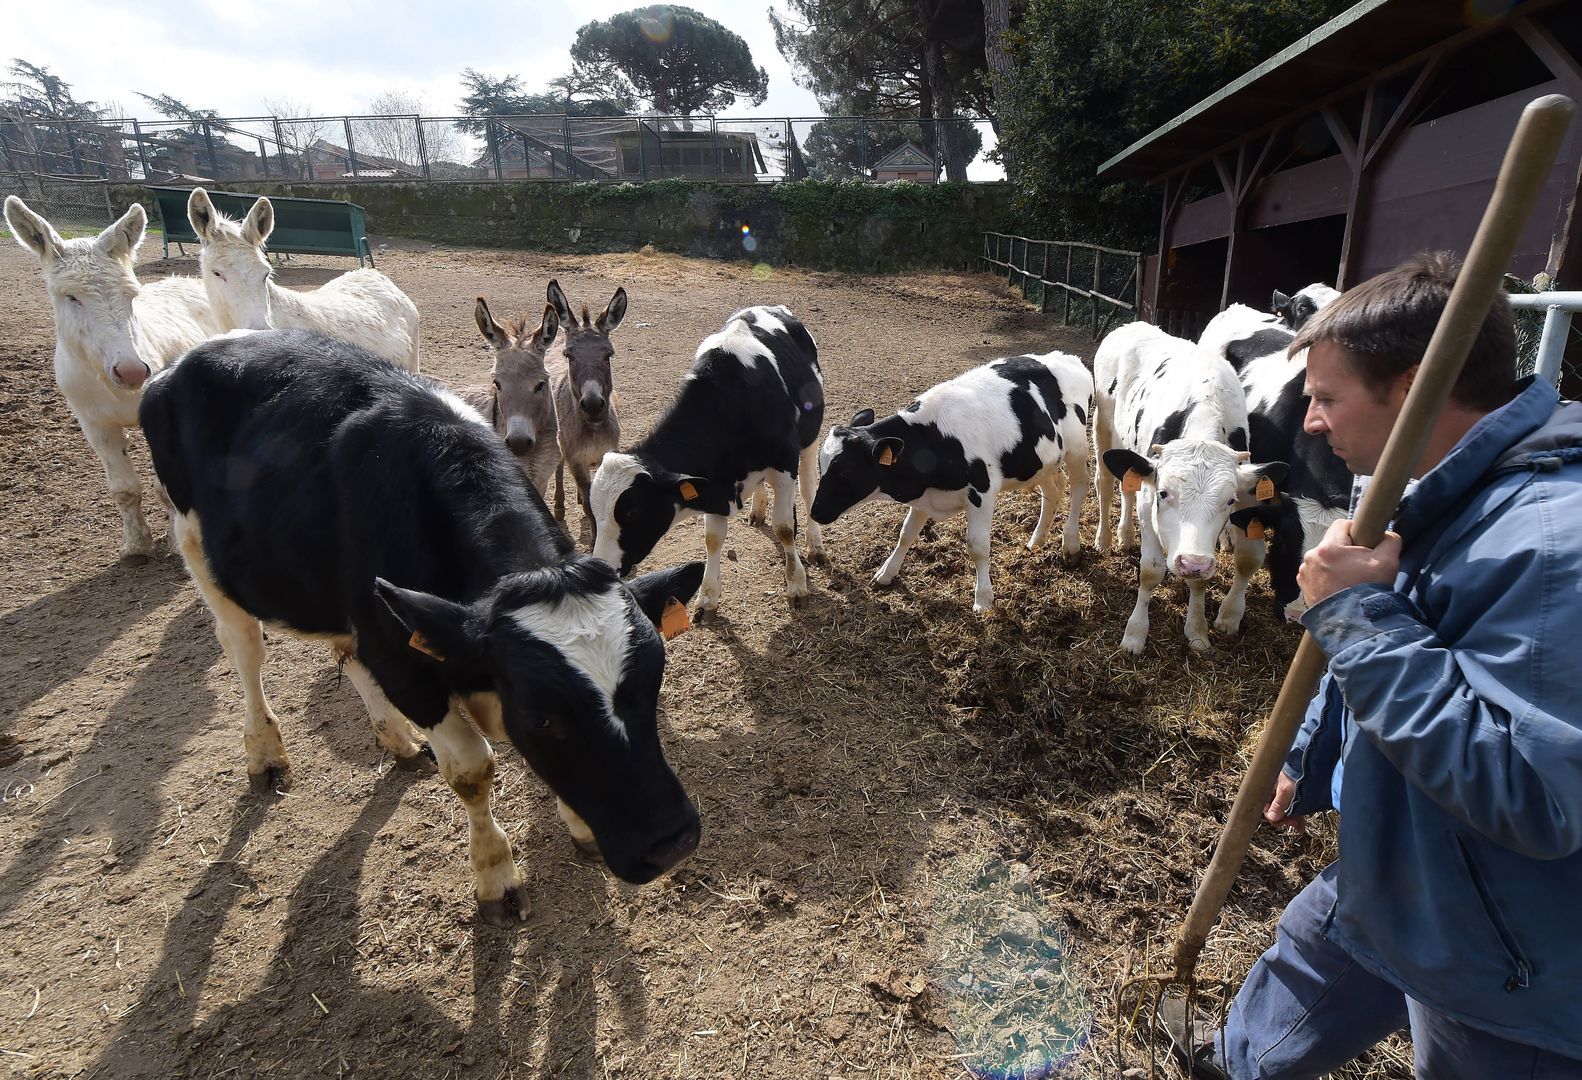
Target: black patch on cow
x: 916, y: 405
x: 1237, y: 439
x: 1021, y: 462
x: 1113, y: 383
x: 1172, y: 427
x: 1244, y: 350
x: 978, y: 475
x: 1082, y: 416
x: 974, y: 497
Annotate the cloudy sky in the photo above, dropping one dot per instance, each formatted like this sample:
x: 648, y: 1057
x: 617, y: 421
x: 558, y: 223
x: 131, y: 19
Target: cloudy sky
x: 332, y: 57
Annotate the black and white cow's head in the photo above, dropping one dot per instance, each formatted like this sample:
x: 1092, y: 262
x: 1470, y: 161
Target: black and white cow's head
x: 575, y: 658
x: 851, y: 466
x: 1188, y: 489
x: 1295, y: 310
x: 634, y: 503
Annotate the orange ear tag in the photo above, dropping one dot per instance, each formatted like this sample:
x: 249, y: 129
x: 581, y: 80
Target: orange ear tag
x: 688, y: 491
x: 886, y: 456
x: 1132, y: 481
x: 1255, y: 529
x: 420, y: 643
x: 674, y: 620
x: 1265, y: 489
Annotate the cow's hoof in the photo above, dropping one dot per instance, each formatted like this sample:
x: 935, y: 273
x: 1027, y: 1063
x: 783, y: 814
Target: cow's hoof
x: 273, y: 779
x: 421, y: 762
x: 135, y: 558
x: 818, y: 558
x: 505, y: 912
x: 796, y: 601
x: 704, y: 614
x: 1200, y: 645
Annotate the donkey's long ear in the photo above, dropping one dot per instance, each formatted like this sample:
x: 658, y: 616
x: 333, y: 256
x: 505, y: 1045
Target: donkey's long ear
x: 557, y: 297
x: 549, y: 327
x: 121, y: 240
x: 493, y: 332
x: 259, y: 223
x: 32, y: 231
x: 613, y: 312
x: 201, y: 212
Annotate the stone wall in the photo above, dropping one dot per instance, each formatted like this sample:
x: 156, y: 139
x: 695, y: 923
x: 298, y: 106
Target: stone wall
x: 811, y: 223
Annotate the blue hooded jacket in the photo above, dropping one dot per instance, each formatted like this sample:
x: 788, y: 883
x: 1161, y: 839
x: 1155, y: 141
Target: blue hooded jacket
x: 1460, y: 870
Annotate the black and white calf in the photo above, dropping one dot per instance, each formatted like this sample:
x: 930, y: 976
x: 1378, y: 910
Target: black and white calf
x: 1317, y: 490
x: 1008, y: 425
x: 749, y: 411
x: 1292, y: 312
x: 321, y: 490
x: 1171, y: 425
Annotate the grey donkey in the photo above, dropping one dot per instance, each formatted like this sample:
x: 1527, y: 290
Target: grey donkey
x: 518, y: 404
x: 585, y: 404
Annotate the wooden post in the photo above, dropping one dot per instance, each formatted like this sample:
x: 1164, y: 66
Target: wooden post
x: 1065, y: 294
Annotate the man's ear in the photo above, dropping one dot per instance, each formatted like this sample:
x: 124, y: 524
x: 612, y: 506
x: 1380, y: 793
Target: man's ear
x: 704, y: 495
x: 862, y: 418
x: 887, y: 452
x: 438, y: 626
x: 654, y: 592
x: 1120, y: 462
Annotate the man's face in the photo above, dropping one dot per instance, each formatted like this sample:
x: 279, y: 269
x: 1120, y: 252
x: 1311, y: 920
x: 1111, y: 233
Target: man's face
x: 1346, y: 410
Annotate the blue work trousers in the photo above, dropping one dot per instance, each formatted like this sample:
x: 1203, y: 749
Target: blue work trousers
x: 1307, y: 1007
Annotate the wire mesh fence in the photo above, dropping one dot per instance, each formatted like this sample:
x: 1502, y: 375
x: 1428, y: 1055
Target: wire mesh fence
x: 338, y: 149
x: 68, y: 203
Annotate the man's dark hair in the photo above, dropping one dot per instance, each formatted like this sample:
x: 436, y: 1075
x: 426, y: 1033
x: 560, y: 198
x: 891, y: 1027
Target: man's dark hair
x: 1385, y: 324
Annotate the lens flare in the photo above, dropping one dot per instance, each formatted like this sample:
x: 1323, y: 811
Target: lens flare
x: 1014, y: 1001
x: 657, y: 24
x: 762, y: 271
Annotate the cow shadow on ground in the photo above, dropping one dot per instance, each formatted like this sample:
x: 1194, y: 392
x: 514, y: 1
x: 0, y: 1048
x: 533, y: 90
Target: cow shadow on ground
x: 52, y: 640
x: 534, y: 993
x: 116, y: 778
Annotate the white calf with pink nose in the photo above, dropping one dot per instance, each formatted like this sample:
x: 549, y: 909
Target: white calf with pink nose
x: 111, y: 334
x: 1171, y: 426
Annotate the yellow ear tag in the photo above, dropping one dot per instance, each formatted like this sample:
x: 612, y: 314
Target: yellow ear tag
x: 674, y: 620
x: 886, y: 456
x: 688, y: 491
x: 1132, y: 481
x: 1265, y: 489
x: 420, y: 643
x: 1255, y: 529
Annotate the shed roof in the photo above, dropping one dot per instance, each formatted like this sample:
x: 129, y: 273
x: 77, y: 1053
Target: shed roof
x: 1355, y: 44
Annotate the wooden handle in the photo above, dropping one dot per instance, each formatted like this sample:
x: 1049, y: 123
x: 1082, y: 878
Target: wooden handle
x: 1528, y: 160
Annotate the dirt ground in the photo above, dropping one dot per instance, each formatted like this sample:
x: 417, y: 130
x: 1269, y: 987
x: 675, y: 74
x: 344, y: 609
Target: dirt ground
x: 932, y: 842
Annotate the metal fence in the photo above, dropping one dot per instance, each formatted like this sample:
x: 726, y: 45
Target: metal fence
x: 1089, y: 284
x: 67, y: 203
x: 340, y: 149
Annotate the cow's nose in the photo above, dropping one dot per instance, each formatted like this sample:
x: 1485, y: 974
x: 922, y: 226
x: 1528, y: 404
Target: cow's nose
x: 675, y: 847
x: 1194, y: 566
x: 519, y: 444
x: 130, y: 373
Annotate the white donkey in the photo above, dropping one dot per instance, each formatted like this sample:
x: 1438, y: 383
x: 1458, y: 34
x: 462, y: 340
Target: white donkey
x: 363, y: 307
x: 111, y: 335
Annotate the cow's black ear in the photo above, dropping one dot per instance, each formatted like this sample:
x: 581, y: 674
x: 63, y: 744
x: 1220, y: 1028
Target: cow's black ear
x: 1274, y: 470
x: 1278, y: 302
x: 1120, y: 462
x: 887, y: 452
x: 862, y: 418
x: 706, y: 496
x: 1242, y: 518
x: 656, y: 591
x: 438, y: 626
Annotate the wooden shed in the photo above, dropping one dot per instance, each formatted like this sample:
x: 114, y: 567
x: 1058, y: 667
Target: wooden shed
x: 1377, y: 135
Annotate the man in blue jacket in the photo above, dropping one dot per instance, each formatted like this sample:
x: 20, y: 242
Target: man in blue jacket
x: 1453, y: 705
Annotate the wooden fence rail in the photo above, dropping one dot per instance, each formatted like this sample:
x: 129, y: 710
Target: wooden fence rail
x: 1015, y: 256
